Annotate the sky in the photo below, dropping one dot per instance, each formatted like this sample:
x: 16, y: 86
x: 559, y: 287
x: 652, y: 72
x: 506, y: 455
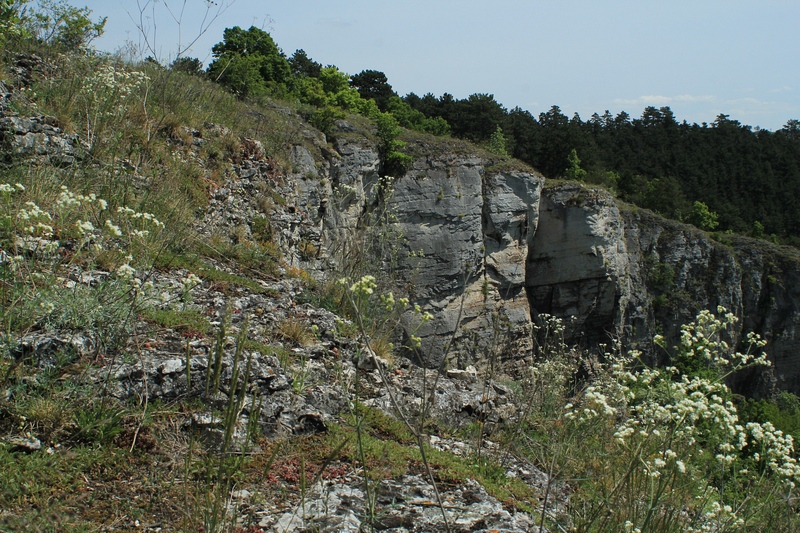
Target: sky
x: 699, y: 57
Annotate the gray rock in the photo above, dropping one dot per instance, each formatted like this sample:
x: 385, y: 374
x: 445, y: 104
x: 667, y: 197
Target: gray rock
x: 404, y: 504
x: 578, y: 262
x: 25, y: 444
x: 45, y: 349
x: 171, y: 366
x: 38, y: 136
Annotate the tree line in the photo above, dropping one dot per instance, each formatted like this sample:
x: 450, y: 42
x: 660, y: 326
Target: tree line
x: 748, y: 178
x: 724, y: 175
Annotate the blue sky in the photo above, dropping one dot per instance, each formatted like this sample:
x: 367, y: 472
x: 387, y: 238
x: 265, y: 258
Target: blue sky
x: 700, y: 57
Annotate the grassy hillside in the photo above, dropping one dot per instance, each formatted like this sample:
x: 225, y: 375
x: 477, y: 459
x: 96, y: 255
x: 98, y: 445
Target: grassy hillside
x: 112, y: 290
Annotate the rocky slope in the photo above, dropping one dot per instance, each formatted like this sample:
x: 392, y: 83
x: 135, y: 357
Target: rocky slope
x: 485, y: 246
x: 487, y: 250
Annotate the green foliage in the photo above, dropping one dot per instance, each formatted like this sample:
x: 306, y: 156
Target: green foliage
x: 57, y: 23
x: 304, y: 66
x: 658, y: 449
x: 333, y: 96
x: 475, y: 117
x: 333, y: 80
x: 188, y: 65
x: 394, y: 162
x: 10, y: 21
x: 242, y: 75
x: 497, y: 142
x: 782, y: 411
x: 186, y: 321
x: 98, y: 423
x: 311, y: 91
x: 324, y: 118
x: 702, y: 217
x: 574, y: 171
x: 758, y: 229
x: 410, y: 118
x: 373, y: 85
x: 661, y: 276
x: 249, y: 63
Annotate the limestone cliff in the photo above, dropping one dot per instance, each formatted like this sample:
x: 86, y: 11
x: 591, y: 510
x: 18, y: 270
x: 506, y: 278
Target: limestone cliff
x: 488, y: 250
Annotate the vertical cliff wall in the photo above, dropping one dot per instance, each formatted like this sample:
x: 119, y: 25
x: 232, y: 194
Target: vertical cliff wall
x: 487, y: 251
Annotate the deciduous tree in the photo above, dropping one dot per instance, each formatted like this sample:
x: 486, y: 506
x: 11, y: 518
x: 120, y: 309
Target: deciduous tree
x: 249, y: 62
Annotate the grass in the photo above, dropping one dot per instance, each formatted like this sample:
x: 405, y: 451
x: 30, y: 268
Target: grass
x: 295, y: 331
x: 224, y: 280
x: 391, y: 451
x: 189, y: 321
x: 110, y: 464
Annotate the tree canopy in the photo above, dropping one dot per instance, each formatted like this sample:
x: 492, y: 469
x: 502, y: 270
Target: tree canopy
x: 249, y: 62
x: 373, y: 85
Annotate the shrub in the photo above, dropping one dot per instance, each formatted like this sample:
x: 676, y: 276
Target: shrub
x: 249, y: 62
x: 394, y: 162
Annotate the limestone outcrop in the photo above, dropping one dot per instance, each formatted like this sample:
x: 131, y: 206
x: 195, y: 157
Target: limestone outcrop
x: 487, y: 248
x: 487, y: 251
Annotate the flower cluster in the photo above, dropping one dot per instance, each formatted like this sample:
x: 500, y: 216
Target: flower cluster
x: 109, y: 80
x: 190, y: 282
x: 674, y: 426
x: 35, y: 221
x: 8, y: 189
x: 704, y: 339
x: 365, y: 286
x: 773, y: 450
x: 135, y: 215
x: 68, y: 199
x: 75, y: 216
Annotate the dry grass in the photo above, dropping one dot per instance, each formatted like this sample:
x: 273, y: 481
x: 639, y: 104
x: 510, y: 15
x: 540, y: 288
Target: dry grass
x: 294, y: 330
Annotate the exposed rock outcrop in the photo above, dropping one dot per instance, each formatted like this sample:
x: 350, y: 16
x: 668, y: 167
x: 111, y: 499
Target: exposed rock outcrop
x: 486, y: 252
x: 38, y: 136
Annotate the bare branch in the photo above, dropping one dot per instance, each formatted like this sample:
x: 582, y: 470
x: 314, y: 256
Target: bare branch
x: 148, y: 30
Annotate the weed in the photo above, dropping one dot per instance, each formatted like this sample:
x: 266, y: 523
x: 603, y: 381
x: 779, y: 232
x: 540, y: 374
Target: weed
x: 189, y: 322
x: 97, y: 423
x: 296, y: 331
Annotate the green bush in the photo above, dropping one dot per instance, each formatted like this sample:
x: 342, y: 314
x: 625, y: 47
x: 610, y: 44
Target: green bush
x: 394, y: 162
x: 249, y: 63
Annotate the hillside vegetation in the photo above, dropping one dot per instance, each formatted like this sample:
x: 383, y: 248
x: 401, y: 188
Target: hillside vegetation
x: 161, y: 375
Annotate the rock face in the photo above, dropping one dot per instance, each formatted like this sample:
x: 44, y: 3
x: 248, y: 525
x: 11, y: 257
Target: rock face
x: 677, y: 270
x: 456, y: 234
x: 465, y: 236
x: 578, y: 264
x: 487, y: 252
x: 38, y: 136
